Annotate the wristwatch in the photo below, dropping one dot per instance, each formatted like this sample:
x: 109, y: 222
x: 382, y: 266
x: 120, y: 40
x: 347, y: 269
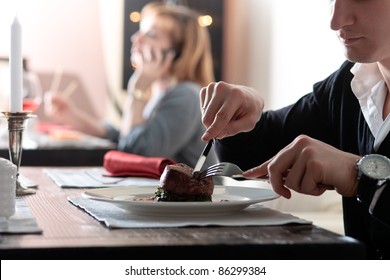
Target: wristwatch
x: 371, y: 169
x: 374, y: 166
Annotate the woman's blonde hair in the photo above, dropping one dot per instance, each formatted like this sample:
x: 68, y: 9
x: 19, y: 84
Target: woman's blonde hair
x: 190, y: 41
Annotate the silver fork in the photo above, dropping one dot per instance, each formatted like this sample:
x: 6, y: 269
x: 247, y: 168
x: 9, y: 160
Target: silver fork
x: 233, y: 171
x: 226, y: 169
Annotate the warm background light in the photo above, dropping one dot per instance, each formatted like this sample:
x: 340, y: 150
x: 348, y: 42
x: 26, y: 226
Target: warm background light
x: 135, y: 16
x: 205, y: 20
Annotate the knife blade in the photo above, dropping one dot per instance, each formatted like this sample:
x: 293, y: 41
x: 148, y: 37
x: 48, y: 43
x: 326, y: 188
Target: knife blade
x: 203, y: 156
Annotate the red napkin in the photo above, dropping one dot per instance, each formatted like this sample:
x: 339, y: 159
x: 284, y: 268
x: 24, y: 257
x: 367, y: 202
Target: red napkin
x: 125, y: 164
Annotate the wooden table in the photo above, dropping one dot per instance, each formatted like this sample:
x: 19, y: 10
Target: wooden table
x: 70, y: 233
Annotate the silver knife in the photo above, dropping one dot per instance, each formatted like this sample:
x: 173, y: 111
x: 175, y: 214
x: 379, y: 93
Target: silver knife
x: 203, y: 156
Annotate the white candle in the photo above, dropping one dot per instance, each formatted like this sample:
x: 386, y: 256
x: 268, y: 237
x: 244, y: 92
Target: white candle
x: 16, y: 67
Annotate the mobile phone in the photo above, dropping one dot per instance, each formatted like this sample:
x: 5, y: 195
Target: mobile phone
x: 165, y: 53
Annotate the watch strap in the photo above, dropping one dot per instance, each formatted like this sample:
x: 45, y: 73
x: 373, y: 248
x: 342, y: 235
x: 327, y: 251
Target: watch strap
x: 365, y: 189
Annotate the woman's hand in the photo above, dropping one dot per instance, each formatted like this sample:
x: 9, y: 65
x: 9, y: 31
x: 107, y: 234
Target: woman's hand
x: 153, y: 65
x: 62, y: 110
x: 57, y: 108
x: 309, y: 166
x: 229, y: 109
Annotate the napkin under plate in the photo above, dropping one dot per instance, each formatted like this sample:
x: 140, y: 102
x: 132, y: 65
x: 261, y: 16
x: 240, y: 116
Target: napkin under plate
x: 93, y: 178
x: 22, y: 221
x: 115, y: 217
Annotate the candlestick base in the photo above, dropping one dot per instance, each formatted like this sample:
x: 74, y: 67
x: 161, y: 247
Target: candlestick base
x: 16, y: 125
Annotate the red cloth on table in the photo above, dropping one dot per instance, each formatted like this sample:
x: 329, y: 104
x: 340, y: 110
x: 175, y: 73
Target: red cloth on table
x: 119, y: 163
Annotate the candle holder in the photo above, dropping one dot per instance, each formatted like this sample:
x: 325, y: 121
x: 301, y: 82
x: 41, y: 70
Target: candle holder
x: 16, y: 125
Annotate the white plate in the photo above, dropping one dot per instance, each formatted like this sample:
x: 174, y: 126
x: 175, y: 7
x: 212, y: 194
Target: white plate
x: 226, y: 199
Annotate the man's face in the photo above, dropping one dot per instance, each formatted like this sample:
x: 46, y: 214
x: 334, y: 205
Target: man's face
x: 363, y: 27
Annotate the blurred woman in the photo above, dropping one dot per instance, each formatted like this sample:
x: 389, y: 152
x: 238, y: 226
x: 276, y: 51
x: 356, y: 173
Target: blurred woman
x: 172, y: 57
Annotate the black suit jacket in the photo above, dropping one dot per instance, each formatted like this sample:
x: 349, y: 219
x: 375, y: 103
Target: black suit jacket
x: 330, y: 113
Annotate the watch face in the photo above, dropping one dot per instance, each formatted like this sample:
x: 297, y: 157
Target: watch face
x: 376, y: 166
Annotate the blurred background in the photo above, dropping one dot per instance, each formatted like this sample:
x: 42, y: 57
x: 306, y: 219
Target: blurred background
x: 279, y: 47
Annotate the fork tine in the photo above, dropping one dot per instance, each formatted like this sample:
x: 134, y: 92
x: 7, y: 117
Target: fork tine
x: 212, y: 167
x: 212, y: 173
x: 213, y: 170
x: 207, y: 173
x: 215, y: 167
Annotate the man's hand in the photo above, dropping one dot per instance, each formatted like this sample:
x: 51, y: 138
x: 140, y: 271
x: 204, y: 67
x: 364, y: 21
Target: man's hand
x: 229, y: 109
x: 309, y: 166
